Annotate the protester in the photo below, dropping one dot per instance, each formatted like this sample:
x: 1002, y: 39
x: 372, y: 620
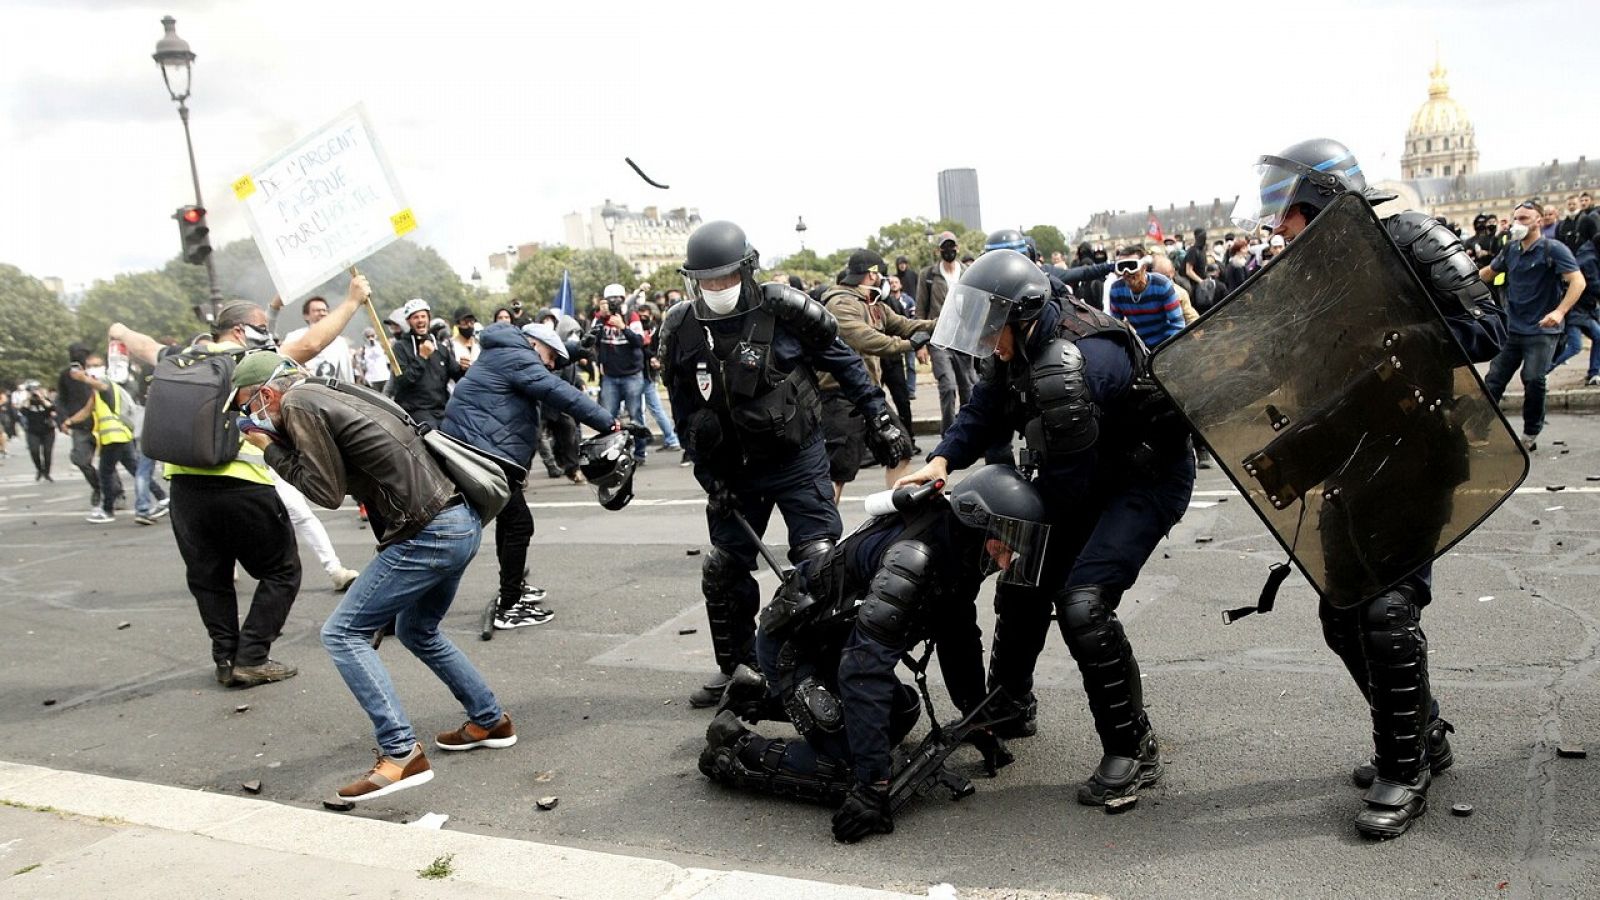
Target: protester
x: 465, y: 342
x: 1144, y: 299
x: 72, y: 392
x: 115, y: 420
x: 619, y: 346
x: 953, y: 371
x: 328, y: 443
x: 427, y: 366
x: 38, y: 423
x: 1584, y: 318
x: 648, y: 325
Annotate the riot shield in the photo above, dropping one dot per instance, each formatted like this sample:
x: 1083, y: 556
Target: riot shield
x: 1332, y: 393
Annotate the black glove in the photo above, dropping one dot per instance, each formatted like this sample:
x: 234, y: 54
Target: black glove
x: 865, y: 811
x: 887, y: 441
x: 722, y: 501
x: 920, y: 339
x: 636, y: 430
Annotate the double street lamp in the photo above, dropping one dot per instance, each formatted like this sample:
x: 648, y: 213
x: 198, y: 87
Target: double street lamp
x: 177, y: 61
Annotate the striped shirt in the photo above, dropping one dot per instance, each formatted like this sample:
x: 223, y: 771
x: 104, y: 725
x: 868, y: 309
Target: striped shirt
x: 1155, y: 313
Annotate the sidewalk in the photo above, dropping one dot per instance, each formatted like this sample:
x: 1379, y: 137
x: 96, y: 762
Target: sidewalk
x: 71, y: 835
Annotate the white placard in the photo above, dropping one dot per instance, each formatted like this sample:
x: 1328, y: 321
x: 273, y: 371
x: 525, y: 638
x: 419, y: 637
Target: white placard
x: 323, y: 204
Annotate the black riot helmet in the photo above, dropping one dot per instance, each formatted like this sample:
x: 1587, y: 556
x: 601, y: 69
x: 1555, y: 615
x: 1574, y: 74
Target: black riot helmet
x: 1000, y: 287
x: 1308, y: 174
x: 1007, y: 509
x: 608, y: 464
x: 1011, y: 239
x: 716, y: 250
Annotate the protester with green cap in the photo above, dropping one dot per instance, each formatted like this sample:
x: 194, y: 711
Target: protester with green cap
x: 331, y: 441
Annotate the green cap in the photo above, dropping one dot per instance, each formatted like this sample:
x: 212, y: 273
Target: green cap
x: 259, y: 367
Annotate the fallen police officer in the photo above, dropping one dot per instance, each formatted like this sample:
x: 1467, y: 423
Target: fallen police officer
x: 830, y: 641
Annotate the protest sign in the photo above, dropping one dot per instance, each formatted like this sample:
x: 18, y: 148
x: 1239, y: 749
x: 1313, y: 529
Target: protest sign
x: 323, y: 204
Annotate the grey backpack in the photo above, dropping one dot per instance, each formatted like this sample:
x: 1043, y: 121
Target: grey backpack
x: 188, y: 414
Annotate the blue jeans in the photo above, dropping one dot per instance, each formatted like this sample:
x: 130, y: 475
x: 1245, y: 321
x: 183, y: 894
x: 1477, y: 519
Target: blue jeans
x: 1579, y: 325
x: 911, y: 374
x: 1533, y: 353
x: 412, y: 582
x: 127, y: 456
x: 145, y: 482
x: 652, y: 402
x: 620, y: 390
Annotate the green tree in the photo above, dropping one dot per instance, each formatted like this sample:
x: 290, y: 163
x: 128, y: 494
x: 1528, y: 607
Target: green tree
x: 1048, y: 239
x: 149, y: 302
x: 35, y: 328
x: 537, y: 278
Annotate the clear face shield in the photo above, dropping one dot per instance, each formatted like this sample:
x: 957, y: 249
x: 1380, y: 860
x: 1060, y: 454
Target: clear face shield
x: 1265, y: 198
x: 1015, y: 549
x: 971, y: 321
x: 718, y: 302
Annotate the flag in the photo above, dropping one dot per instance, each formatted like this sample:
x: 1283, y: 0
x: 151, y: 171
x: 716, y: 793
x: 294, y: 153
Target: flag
x: 564, y: 301
x: 1152, y: 229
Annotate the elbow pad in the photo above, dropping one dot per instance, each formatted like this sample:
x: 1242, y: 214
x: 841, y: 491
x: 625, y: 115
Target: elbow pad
x: 809, y: 320
x: 1440, y: 260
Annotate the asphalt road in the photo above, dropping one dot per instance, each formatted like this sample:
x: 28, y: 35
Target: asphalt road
x: 1259, y: 722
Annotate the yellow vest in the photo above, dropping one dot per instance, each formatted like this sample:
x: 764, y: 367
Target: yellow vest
x: 109, y: 428
x: 250, y: 465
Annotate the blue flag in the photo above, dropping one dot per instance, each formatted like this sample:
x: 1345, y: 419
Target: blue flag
x: 564, y: 301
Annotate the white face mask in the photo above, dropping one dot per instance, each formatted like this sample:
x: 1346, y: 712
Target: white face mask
x: 98, y: 373
x: 722, y: 302
x: 1518, y: 231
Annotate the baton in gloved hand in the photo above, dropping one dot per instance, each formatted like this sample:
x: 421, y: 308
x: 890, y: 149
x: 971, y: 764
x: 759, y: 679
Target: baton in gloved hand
x: 761, y: 546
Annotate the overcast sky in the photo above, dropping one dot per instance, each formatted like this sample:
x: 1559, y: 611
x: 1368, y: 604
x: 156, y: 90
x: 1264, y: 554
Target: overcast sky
x: 501, y: 117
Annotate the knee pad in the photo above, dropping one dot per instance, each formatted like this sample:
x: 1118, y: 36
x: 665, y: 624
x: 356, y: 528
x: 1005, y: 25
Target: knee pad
x: 813, y: 549
x: 720, y: 573
x: 1084, y: 609
x: 1390, y: 610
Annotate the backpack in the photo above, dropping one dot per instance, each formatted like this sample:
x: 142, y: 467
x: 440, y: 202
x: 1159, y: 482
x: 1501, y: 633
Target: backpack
x: 188, y: 419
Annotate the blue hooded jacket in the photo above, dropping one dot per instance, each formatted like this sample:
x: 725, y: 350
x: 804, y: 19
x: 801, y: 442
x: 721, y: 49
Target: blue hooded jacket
x: 496, y: 403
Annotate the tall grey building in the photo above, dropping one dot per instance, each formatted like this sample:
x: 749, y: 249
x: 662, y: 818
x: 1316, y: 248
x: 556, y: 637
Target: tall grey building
x: 958, y: 197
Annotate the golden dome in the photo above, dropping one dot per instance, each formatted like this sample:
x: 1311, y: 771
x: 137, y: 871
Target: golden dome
x: 1440, y: 114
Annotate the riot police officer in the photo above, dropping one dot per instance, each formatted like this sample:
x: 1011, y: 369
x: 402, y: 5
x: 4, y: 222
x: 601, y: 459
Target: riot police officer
x: 738, y: 361
x: 831, y: 640
x: 1116, y: 471
x: 1381, y: 642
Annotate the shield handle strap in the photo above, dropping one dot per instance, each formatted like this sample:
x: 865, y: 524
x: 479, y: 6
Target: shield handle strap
x: 1276, y: 573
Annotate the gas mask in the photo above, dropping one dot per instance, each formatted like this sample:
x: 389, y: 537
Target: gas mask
x: 722, y: 302
x: 258, y: 338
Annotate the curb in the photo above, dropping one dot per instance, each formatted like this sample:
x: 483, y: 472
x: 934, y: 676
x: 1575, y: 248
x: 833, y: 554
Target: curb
x: 1574, y: 400
x: 500, y: 866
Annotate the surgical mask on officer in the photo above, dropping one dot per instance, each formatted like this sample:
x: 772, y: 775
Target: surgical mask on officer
x: 722, y: 302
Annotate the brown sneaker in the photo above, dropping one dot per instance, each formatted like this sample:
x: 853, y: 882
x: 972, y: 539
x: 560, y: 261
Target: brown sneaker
x: 389, y: 774
x: 269, y: 671
x: 470, y: 736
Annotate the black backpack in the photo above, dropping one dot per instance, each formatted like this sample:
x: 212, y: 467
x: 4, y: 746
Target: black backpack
x: 188, y: 416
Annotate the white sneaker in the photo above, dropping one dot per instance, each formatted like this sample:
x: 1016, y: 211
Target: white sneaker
x: 343, y: 578
x: 1592, y: 381
x: 521, y: 615
x: 99, y: 517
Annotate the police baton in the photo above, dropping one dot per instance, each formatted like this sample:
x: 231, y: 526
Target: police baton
x: 761, y: 546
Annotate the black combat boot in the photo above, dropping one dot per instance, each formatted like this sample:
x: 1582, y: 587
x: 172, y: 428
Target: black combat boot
x: 1123, y: 776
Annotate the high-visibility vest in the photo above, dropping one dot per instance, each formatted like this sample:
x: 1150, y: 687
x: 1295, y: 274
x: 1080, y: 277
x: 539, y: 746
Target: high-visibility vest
x: 109, y: 425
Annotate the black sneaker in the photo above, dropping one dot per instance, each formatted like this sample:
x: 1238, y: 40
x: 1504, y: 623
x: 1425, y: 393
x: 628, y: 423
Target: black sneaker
x: 521, y: 615
x: 710, y: 693
x: 224, y: 672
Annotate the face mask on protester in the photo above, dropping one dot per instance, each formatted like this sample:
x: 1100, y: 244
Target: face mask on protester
x: 948, y: 254
x: 258, y: 339
x: 465, y: 331
x: 98, y: 373
x: 722, y: 302
x: 1518, y: 231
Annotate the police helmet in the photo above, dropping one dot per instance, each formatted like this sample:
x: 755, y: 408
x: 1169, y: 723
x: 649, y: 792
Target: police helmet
x: 717, y: 249
x: 999, y: 288
x: 1008, y: 510
x: 1308, y: 174
x: 607, y: 462
x: 1011, y: 239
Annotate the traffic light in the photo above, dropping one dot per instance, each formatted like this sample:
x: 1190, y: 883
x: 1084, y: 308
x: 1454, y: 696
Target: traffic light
x: 194, y: 232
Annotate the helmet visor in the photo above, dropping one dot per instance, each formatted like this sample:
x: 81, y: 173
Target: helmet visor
x: 1014, y: 548
x: 971, y: 321
x: 1263, y: 201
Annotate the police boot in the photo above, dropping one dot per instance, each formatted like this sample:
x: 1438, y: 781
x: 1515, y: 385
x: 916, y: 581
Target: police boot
x: 1020, y: 718
x: 746, y: 696
x: 1392, y: 805
x: 740, y: 758
x: 1440, y: 756
x: 1122, y: 776
x: 710, y: 693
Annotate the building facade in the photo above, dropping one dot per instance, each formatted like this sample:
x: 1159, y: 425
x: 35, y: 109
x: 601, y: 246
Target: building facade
x: 647, y: 239
x: 958, y: 197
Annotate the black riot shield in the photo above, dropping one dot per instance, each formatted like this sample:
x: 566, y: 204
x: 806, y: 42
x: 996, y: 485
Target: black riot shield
x: 1331, y: 391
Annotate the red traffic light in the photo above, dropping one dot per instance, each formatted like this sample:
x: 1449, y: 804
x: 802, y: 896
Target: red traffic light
x: 193, y: 214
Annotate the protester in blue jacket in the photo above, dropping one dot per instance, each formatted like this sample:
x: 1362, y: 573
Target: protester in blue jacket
x: 496, y: 407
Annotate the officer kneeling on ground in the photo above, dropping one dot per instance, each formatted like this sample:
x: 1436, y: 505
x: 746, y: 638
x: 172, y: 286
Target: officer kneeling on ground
x: 832, y: 637
x: 738, y: 361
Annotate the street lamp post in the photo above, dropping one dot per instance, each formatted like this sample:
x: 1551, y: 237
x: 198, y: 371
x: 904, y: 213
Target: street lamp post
x: 176, y: 61
x: 610, y: 215
x: 800, y: 230
x: 927, y: 233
